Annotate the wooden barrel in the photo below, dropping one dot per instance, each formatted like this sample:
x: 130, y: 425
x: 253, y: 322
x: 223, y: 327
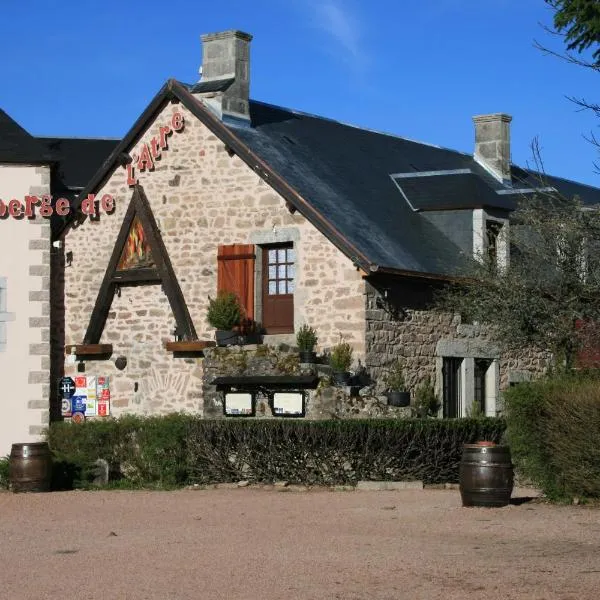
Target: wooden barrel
x: 30, y: 467
x: 485, y: 475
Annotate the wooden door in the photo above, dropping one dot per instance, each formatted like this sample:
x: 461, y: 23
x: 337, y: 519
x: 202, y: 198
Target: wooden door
x: 279, y: 278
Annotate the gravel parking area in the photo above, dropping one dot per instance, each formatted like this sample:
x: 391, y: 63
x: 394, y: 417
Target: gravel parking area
x: 263, y: 544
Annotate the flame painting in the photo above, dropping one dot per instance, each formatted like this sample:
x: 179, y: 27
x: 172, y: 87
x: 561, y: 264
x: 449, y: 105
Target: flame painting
x: 137, y: 252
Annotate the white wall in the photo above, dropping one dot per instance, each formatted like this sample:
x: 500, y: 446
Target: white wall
x: 24, y: 266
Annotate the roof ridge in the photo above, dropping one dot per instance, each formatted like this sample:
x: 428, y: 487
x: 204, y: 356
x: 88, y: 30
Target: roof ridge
x: 376, y: 131
x: 61, y: 137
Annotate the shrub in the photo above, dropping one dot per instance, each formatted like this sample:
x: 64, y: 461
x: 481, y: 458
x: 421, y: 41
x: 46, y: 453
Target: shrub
x: 4, y: 473
x: 182, y: 449
x: 394, y: 378
x: 306, y: 338
x: 426, y: 403
x: 341, y: 357
x: 554, y: 434
x: 224, y: 311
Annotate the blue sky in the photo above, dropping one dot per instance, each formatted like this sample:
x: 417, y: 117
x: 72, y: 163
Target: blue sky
x: 415, y: 69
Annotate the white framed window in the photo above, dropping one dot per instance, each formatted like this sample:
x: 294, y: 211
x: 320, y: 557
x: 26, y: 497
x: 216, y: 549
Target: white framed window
x: 4, y: 315
x: 469, y: 386
x: 491, y: 238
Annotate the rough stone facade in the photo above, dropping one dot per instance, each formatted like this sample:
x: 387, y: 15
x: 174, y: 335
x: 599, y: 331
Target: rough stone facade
x: 201, y: 197
x: 405, y: 328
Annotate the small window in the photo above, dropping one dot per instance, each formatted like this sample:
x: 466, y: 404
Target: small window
x: 4, y: 316
x: 492, y: 231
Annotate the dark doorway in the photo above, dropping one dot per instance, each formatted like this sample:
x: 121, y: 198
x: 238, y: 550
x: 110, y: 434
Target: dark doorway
x: 452, y: 387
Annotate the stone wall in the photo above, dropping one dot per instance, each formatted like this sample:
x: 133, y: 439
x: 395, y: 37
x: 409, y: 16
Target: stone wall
x: 324, y: 402
x: 404, y: 328
x: 201, y: 197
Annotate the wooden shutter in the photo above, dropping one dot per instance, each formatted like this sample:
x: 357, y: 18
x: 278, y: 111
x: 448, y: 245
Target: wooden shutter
x: 236, y: 274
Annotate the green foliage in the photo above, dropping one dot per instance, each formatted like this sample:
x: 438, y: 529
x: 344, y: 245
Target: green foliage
x: 183, y: 449
x: 224, y: 311
x: 554, y: 434
x: 579, y: 21
x: 341, y: 357
x: 550, y: 286
x: 4, y: 473
x: 306, y: 338
x: 426, y: 402
x: 394, y: 378
x: 141, y: 450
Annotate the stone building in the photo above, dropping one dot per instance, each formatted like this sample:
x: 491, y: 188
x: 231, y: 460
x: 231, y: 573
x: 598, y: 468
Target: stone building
x: 345, y: 229
x: 31, y: 166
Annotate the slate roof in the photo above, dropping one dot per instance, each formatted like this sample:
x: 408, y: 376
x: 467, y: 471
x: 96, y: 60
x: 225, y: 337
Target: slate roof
x: 352, y: 183
x: 18, y: 146
x: 78, y: 158
x: 346, y: 173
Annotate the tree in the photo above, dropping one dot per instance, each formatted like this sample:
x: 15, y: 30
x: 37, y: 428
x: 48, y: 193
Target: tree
x: 548, y: 296
x: 579, y: 22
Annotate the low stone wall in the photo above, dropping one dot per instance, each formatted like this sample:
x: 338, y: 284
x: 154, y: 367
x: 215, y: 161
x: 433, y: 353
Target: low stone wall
x: 325, y: 402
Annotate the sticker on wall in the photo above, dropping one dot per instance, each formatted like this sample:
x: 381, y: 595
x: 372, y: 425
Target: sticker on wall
x: 78, y: 417
x: 66, y: 387
x: 78, y: 404
x: 90, y: 404
x: 65, y: 409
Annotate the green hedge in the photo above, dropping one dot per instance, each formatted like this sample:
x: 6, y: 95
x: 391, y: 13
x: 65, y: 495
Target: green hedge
x: 554, y: 434
x: 179, y: 450
x: 4, y: 473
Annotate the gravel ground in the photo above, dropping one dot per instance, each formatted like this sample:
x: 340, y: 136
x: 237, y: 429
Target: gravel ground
x: 246, y: 544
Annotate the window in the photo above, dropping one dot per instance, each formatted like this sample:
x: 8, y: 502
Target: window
x: 492, y: 230
x: 278, y: 285
x: 4, y: 316
x: 470, y: 385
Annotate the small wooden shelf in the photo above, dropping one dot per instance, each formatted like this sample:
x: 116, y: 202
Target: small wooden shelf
x: 189, y: 346
x: 92, y: 350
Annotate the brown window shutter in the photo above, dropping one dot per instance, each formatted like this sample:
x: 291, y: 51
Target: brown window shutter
x: 236, y: 274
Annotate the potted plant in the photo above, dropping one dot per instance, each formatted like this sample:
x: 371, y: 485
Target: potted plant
x: 306, y: 339
x: 340, y: 361
x: 394, y: 380
x: 426, y: 402
x: 225, y: 313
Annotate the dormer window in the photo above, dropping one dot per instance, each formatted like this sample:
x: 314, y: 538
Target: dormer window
x: 490, y: 239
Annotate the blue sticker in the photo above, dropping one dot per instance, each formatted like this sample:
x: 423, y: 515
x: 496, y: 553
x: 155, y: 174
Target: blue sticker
x: 78, y: 404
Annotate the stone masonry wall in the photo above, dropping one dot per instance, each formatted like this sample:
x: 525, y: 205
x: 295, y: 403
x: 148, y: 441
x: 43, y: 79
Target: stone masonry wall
x: 201, y: 197
x: 409, y: 331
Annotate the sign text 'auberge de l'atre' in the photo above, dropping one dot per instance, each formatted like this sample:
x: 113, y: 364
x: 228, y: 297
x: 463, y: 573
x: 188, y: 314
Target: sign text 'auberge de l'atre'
x: 149, y: 153
x: 152, y: 151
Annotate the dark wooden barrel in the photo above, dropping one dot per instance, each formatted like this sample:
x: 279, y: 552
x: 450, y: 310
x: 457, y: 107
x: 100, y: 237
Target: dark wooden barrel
x: 30, y: 467
x: 485, y: 475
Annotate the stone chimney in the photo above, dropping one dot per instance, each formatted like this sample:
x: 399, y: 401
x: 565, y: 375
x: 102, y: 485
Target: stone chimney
x: 226, y: 55
x: 492, y: 143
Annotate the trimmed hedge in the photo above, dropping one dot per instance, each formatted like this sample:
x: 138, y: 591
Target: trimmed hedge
x: 554, y: 434
x: 4, y: 473
x: 177, y: 450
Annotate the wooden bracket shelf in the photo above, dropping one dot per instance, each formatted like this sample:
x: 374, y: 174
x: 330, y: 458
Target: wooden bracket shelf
x: 189, y: 346
x: 89, y: 350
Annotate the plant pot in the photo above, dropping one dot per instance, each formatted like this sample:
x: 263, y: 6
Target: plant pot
x: 250, y: 338
x: 308, y: 356
x: 341, y: 378
x: 398, y: 398
x: 225, y: 337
